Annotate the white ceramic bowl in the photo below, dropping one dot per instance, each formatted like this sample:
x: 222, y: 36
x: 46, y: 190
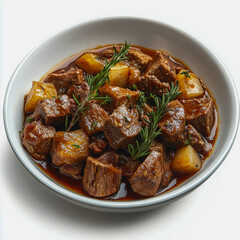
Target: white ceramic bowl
x: 138, y: 31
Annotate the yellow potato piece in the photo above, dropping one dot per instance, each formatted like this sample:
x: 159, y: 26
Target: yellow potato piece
x: 186, y: 160
x: 189, y: 85
x: 119, y: 75
x: 38, y: 92
x: 69, y: 147
x: 89, y: 63
x: 134, y: 75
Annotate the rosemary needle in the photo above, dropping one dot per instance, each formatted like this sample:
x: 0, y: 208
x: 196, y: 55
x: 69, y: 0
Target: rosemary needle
x: 149, y: 133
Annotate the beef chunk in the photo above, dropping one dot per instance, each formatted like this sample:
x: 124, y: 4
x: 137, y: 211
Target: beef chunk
x: 150, y: 84
x: 147, y: 178
x: 162, y: 68
x: 158, y: 147
x: 135, y: 56
x: 134, y: 75
x: 92, y: 120
x: 79, y: 91
x: 108, y: 52
x: 119, y: 96
x: 110, y: 158
x: 138, y: 59
x: 134, y: 113
x: 200, y: 114
x: 37, y: 139
x: 177, y: 65
x: 97, y: 145
x: 167, y: 174
x: 72, y: 170
x: 127, y: 166
x: 194, y: 138
x: 173, y: 124
x: 54, y: 110
x: 64, y: 80
x: 121, y: 128
x: 69, y: 147
x: 101, y: 179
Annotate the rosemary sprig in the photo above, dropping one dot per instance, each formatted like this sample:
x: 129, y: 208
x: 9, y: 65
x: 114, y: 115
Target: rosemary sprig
x: 149, y: 133
x: 97, y: 81
x: 185, y: 73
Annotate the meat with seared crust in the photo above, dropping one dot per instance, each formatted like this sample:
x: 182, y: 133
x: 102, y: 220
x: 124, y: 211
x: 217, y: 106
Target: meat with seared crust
x: 101, y: 179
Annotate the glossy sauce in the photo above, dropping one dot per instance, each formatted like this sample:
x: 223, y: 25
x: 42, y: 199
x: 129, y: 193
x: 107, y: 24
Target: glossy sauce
x: 125, y: 192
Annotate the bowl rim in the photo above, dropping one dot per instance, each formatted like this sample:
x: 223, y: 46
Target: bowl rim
x: 106, y: 204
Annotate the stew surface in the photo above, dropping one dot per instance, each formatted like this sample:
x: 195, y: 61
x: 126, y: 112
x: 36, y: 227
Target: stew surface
x: 120, y: 122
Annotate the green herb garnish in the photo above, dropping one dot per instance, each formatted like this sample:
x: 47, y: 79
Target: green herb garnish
x: 149, y: 133
x: 142, y: 98
x: 134, y: 87
x: 29, y: 119
x: 97, y: 81
x: 76, y: 146
x: 126, y: 119
x: 95, y: 123
x: 185, y: 73
x: 189, y: 140
x: 66, y: 123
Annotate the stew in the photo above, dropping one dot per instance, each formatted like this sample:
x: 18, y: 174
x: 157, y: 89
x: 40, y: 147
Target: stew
x: 120, y: 122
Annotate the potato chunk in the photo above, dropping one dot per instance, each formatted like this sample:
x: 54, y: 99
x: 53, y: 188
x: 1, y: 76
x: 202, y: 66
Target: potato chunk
x: 69, y: 147
x: 119, y: 75
x: 134, y: 75
x: 38, y: 92
x: 189, y: 85
x: 119, y: 96
x: 89, y: 63
x: 186, y: 160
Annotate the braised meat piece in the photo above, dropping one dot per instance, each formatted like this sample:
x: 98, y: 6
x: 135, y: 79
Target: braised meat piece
x: 158, y: 147
x: 194, y: 138
x: 200, y: 114
x: 121, y: 128
x: 177, y: 65
x: 167, y: 175
x: 110, y: 158
x: 119, y: 96
x: 54, y: 110
x: 134, y: 113
x: 147, y: 178
x: 162, y: 68
x: 72, y: 170
x: 97, y: 145
x: 93, y: 118
x: 69, y: 147
x: 37, y: 139
x: 127, y: 166
x: 133, y: 77
x: 101, y: 179
x: 79, y: 91
x: 173, y: 124
x: 150, y: 84
x: 64, y: 80
x: 138, y: 59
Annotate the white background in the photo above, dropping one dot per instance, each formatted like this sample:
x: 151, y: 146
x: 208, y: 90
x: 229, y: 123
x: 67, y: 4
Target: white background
x: 29, y: 211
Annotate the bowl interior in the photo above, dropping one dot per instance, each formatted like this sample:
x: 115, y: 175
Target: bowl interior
x: 138, y: 32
